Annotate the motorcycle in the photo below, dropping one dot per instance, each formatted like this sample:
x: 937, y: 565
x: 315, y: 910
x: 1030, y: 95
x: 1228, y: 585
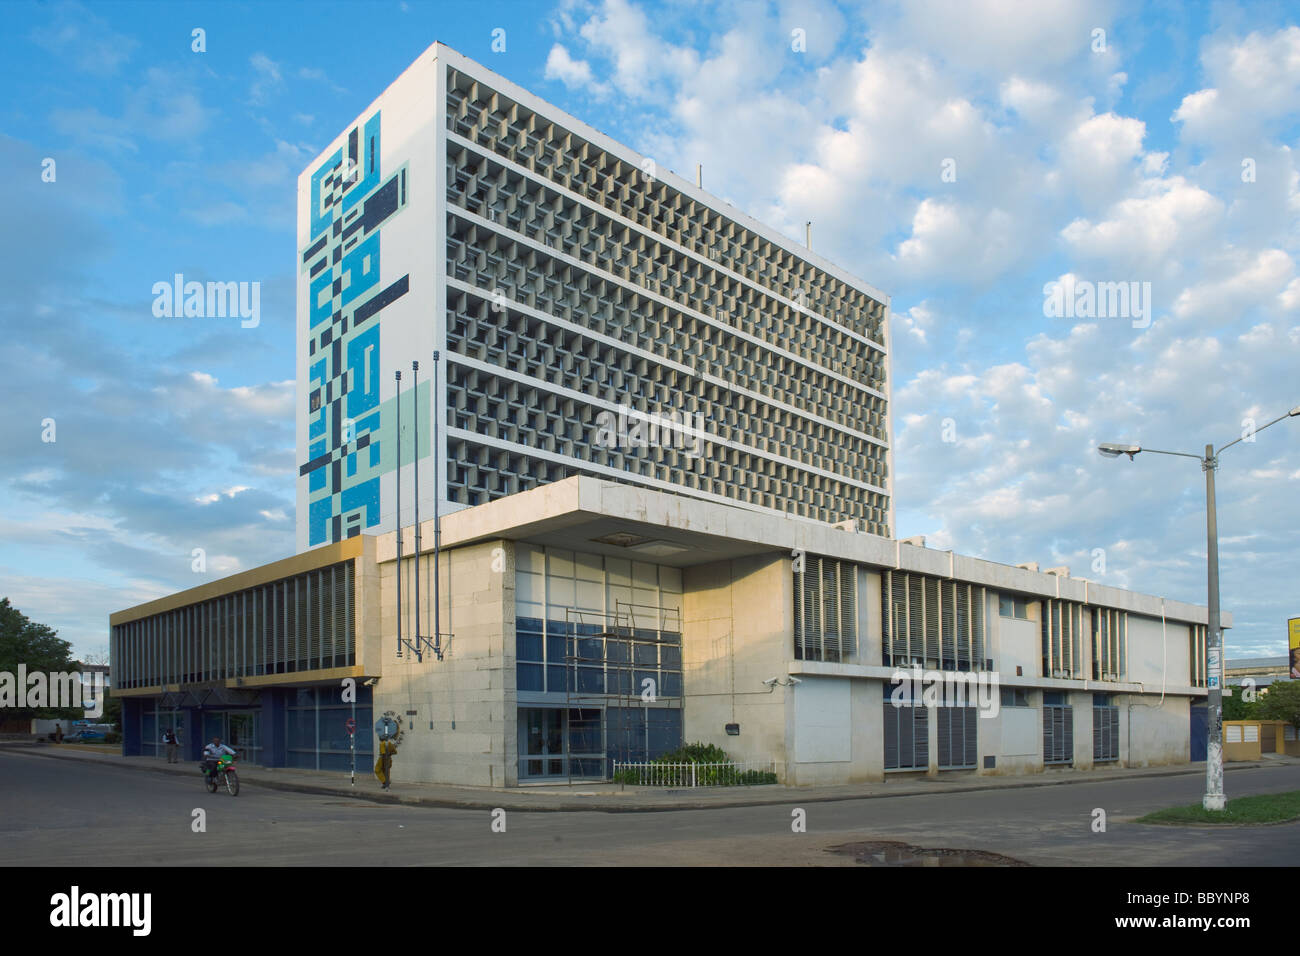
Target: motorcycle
x: 223, y: 772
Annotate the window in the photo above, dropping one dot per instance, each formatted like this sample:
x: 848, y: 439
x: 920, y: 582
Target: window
x: 1015, y: 607
x: 293, y: 624
x: 1014, y: 697
x: 1109, y: 644
x: 578, y: 634
x: 1058, y: 729
x: 1062, y: 631
x: 1105, y: 728
x: 825, y: 610
x: 935, y: 622
x: 907, y: 736
x: 957, y: 740
x: 1196, y: 654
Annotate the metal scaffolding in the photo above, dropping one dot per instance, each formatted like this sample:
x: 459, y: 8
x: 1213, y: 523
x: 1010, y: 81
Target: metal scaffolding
x: 620, y: 676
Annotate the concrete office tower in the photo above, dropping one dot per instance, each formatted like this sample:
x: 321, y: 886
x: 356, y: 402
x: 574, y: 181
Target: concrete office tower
x: 595, y: 315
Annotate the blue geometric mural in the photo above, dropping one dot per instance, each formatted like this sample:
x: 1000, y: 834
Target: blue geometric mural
x: 350, y: 202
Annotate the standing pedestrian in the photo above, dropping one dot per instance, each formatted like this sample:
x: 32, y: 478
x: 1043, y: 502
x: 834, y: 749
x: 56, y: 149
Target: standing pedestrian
x: 173, y: 745
x: 58, y: 733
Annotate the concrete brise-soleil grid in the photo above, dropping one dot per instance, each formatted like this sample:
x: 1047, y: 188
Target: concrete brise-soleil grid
x: 577, y: 283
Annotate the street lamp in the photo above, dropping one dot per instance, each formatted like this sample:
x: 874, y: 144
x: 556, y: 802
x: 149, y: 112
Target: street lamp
x: 1213, y: 799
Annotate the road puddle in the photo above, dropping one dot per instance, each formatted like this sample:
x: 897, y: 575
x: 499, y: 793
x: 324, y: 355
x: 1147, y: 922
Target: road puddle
x: 888, y: 853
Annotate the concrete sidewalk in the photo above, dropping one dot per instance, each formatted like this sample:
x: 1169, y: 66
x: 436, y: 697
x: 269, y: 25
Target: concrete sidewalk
x: 611, y: 797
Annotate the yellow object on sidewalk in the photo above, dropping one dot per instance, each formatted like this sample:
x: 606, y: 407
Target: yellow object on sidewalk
x: 384, y: 764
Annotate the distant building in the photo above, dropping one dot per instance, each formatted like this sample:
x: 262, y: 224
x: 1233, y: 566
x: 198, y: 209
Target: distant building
x: 1262, y: 670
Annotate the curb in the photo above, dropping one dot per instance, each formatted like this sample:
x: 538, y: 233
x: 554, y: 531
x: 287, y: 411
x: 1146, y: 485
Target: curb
x: 508, y: 801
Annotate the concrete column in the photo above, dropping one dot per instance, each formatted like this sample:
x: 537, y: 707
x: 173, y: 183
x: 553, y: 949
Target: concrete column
x: 1081, y: 701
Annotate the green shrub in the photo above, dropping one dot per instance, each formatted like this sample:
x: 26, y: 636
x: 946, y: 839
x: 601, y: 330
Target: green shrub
x: 695, y: 753
x: 722, y: 773
x: 112, y: 738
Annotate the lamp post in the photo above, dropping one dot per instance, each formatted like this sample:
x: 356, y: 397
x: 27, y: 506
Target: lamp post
x: 1213, y: 799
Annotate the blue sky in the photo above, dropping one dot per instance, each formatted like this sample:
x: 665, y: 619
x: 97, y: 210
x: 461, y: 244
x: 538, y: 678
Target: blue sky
x: 1078, y: 155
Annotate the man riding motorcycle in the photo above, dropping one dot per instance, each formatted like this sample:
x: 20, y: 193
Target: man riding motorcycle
x: 212, y: 753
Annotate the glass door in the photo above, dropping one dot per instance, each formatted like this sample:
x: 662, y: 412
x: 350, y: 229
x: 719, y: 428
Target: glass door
x: 559, y: 743
x: 245, y: 733
x: 541, y: 745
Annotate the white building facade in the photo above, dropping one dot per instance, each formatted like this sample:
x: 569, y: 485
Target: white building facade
x: 594, y: 315
x: 663, y: 464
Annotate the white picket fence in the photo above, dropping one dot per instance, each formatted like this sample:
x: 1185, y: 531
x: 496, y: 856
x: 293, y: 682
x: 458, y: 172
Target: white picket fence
x: 729, y: 774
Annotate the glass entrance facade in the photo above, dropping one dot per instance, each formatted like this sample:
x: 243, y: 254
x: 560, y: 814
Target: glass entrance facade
x: 558, y: 742
x: 582, y: 742
x: 154, y: 720
x: 238, y: 729
x: 316, y: 729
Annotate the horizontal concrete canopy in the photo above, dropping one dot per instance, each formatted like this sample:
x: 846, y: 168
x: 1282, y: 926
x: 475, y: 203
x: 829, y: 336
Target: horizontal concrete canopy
x: 680, y: 531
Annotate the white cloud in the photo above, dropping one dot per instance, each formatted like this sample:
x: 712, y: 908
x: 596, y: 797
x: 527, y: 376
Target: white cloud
x: 1251, y: 281
x: 1255, y: 82
x: 1164, y: 215
x: 267, y: 79
x: 77, y: 36
x: 572, y: 73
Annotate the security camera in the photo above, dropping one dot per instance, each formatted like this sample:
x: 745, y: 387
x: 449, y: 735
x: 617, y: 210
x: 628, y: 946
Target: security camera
x: 794, y: 680
x: 771, y: 682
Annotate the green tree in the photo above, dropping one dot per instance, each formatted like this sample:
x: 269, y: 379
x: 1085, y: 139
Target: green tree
x: 23, y: 641
x: 1282, y: 702
x: 1235, y: 708
x: 113, y: 712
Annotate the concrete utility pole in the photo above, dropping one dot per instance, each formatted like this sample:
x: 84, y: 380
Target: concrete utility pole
x: 1214, y: 798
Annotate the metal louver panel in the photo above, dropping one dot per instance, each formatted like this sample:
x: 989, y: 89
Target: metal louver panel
x: 921, y: 735
x: 1058, y: 734
x: 932, y: 621
x: 825, y: 612
x: 915, y: 618
x: 948, y: 626
x: 957, y: 737
x: 890, y: 724
x: 907, y: 737
x: 900, y: 629
x: 1105, y: 733
x: 848, y: 601
x: 830, y: 608
x: 964, y: 649
x: 931, y: 591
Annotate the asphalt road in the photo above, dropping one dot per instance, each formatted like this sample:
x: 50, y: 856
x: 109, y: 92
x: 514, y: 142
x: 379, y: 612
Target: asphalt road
x: 63, y: 812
